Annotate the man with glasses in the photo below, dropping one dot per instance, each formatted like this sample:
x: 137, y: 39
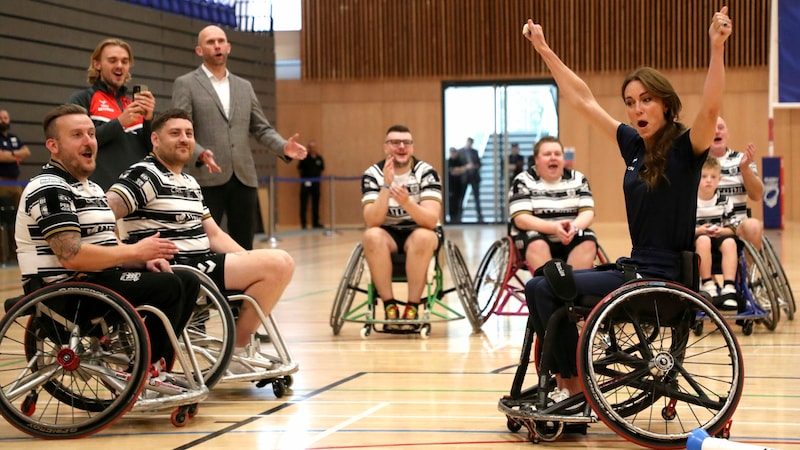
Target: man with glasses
x: 401, y: 201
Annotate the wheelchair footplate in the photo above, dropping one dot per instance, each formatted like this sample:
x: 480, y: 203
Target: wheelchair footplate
x: 571, y: 416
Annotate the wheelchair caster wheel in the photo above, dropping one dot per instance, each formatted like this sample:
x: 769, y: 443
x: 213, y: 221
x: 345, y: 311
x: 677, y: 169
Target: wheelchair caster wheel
x: 512, y: 425
x: 278, y: 388
x: 668, y: 413
x: 747, y: 328
x: 548, y: 431
x: 366, y: 331
x: 178, y: 417
x: 191, y: 410
x: 288, y: 381
x: 29, y: 404
x: 425, y: 331
x: 698, y: 328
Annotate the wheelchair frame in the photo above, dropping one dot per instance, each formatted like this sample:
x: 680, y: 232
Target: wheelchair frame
x: 643, y: 373
x: 500, y: 283
x: 85, y: 362
x: 755, y: 286
x: 212, y: 333
x: 364, y: 312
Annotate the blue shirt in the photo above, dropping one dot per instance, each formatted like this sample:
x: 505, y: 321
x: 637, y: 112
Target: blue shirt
x: 661, y: 220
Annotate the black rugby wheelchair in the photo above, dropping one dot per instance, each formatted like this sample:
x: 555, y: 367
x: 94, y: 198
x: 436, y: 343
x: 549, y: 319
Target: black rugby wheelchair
x: 433, y: 308
x: 645, y: 375
x: 75, y: 357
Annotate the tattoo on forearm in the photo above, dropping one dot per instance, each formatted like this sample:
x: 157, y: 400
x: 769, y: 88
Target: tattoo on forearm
x: 65, y: 245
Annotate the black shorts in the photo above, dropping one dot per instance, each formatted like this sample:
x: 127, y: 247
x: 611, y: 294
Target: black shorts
x: 557, y: 249
x: 211, y: 264
x: 400, y: 236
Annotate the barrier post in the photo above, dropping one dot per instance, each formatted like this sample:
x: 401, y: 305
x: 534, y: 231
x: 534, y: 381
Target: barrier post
x: 273, y: 241
x: 332, y: 207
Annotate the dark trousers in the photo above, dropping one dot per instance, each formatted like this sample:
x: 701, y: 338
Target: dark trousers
x: 309, y: 192
x: 173, y: 294
x: 474, y: 180
x: 455, y: 196
x: 542, y: 303
x: 237, y: 202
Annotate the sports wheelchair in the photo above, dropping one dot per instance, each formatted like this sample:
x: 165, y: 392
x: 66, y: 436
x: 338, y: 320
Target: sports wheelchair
x: 212, y: 333
x: 786, y: 302
x: 75, y: 357
x: 758, y: 296
x: 500, y: 281
x: 433, y: 308
x: 644, y: 374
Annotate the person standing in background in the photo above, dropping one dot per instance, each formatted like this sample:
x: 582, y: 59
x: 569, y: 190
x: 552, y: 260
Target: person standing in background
x: 226, y: 112
x: 455, y: 185
x: 472, y: 176
x: 12, y: 151
x: 122, y: 123
x: 516, y: 163
x: 311, y: 167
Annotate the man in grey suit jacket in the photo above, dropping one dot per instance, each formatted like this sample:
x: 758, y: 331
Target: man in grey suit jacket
x: 225, y: 112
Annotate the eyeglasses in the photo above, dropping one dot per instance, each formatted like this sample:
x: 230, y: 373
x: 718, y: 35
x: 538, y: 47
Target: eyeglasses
x: 397, y: 142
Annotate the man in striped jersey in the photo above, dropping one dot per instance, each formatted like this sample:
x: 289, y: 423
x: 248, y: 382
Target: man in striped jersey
x: 401, y: 198
x: 155, y: 196
x: 740, y: 182
x: 65, y: 230
x: 551, y: 208
x: 715, y: 230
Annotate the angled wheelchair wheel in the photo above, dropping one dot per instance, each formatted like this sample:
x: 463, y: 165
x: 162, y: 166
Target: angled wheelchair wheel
x: 493, y: 272
x: 74, y: 358
x: 348, y: 286
x: 211, y: 328
x: 785, y: 295
x: 761, y: 288
x: 647, y: 376
x: 463, y: 283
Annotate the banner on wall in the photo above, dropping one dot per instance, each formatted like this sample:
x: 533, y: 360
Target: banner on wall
x: 788, y: 51
x: 773, y: 191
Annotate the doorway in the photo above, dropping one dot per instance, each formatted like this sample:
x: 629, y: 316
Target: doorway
x: 493, y: 115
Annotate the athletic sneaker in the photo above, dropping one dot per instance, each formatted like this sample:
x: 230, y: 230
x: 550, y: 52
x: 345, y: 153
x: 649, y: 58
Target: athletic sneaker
x: 410, y: 312
x: 727, y: 298
x: 558, y: 395
x: 250, y: 360
x: 710, y: 288
x: 392, y: 311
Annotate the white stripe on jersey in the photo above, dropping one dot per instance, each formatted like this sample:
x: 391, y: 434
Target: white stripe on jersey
x: 717, y: 211
x: 422, y: 183
x: 52, y: 202
x: 163, y: 201
x: 732, y: 184
x: 530, y: 194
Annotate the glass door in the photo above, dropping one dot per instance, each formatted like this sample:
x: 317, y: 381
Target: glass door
x: 481, y: 122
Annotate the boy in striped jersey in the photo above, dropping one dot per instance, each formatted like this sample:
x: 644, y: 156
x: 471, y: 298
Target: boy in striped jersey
x: 155, y: 196
x: 715, y: 231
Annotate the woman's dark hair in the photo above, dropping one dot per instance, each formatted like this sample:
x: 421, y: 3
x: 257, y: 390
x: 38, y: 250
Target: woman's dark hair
x: 655, y: 159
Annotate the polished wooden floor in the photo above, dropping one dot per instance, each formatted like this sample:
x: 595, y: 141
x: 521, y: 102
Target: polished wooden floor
x: 392, y: 391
